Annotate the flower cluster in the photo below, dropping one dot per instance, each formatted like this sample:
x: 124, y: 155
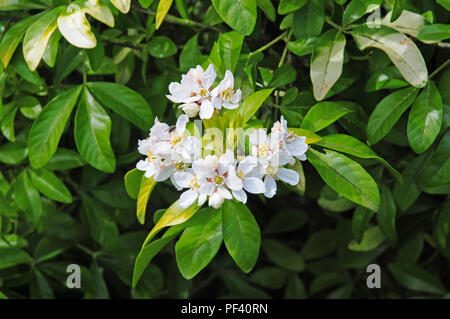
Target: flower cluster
x: 172, y: 153
x: 197, y: 96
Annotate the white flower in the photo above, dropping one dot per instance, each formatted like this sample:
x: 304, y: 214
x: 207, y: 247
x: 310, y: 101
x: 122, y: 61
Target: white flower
x: 224, y: 94
x: 288, y: 140
x: 191, y: 109
x: 251, y: 180
x: 197, y: 190
x: 195, y: 87
x: 220, y: 177
x: 273, y: 170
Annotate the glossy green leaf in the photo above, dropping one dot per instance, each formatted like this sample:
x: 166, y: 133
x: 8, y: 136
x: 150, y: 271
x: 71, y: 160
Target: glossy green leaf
x: 434, y: 33
x: 385, y: 78
x: 133, y: 182
x: 287, y: 6
x: 199, y: 242
x: 358, y: 8
x: 162, y: 47
x: 388, y: 112
x: 10, y: 257
x: 252, y: 103
x: 65, y: 159
x: 323, y: 114
x: 360, y: 220
x: 124, y: 101
x: 350, y: 145
x: 346, y: 177
x: 425, y: 119
x: 27, y: 196
x: 92, y: 133
x: 309, y: 20
x: 241, y: 234
x: 50, y: 185
x: 225, y: 52
x: 239, y: 15
x: 47, y: 129
x: 436, y: 170
x: 283, y: 255
x: 13, y: 153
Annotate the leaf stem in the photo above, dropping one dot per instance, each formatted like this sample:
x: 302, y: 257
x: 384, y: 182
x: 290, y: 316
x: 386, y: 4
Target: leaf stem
x: 439, y: 69
x: 268, y: 45
x: 173, y: 19
x: 335, y: 25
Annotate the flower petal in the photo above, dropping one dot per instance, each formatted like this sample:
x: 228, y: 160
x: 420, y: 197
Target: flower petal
x: 254, y: 185
x: 183, y: 178
x: 188, y: 198
x: 288, y: 175
x: 271, y: 187
x: 240, y: 196
x: 206, y: 110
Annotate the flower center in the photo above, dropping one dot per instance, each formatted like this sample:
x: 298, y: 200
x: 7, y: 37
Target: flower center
x: 150, y: 156
x: 263, y: 150
x: 179, y: 166
x: 194, y: 183
x: 227, y: 94
x: 241, y: 174
x: 175, y: 138
x: 218, y: 180
x: 203, y: 92
x: 271, y: 170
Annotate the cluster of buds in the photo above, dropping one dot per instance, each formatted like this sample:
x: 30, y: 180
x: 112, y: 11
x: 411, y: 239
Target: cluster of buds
x: 172, y: 153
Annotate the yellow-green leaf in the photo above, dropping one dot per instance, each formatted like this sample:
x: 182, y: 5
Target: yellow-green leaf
x: 161, y: 12
x: 147, y: 186
x: 122, y: 5
x: 38, y: 36
x: 75, y: 27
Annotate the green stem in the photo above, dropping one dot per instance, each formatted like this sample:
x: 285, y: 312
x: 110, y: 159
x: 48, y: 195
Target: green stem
x: 439, y: 69
x: 173, y: 19
x: 84, y: 68
x: 336, y: 26
x: 268, y: 45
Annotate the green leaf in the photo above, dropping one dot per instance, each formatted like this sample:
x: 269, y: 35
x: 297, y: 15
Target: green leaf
x: 360, y: 220
x: 295, y: 289
x: 287, y: 6
x: 350, y: 145
x: 285, y: 74
x: 146, y: 187
x: 149, y: 251
x: 241, y: 234
x: 443, y: 225
x: 38, y: 36
x: 27, y: 197
x: 51, y: 51
x: 133, y: 182
x: 346, y: 177
x: 425, y: 119
x: 225, y: 52
x: 434, y: 33
x: 406, y: 194
x: 103, y: 228
x: 308, y: 22
x: 372, y: 238
x: 397, y: 9
x: 252, y: 103
x: 162, y: 47
x: 92, y: 134
x: 190, y: 55
x: 385, y: 78
x: 65, y: 159
x: 13, y: 153
x: 283, y: 255
x: 7, y: 122
x: 286, y: 221
x: 357, y: 8
x: 416, y: 278
x: 267, y: 7
x: 302, y: 46
x: 401, y: 50
x: 12, y: 38
x: 388, y: 112
x: 269, y: 277
x: 50, y: 185
x: 199, y: 242
x: 174, y: 215
x: 124, y: 101
x: 436, y: 170
x: 47, y: 129
x: 323, y: 114
x: 387, y: 213
x: 10, y: 257
x: 319, y: 244
x: 326, y: 62
x: 240, y: 15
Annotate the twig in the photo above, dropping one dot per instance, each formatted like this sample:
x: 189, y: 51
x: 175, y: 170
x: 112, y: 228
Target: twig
x: 439, y: 69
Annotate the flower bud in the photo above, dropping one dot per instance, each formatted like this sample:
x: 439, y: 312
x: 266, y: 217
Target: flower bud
x: 191, y: 109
